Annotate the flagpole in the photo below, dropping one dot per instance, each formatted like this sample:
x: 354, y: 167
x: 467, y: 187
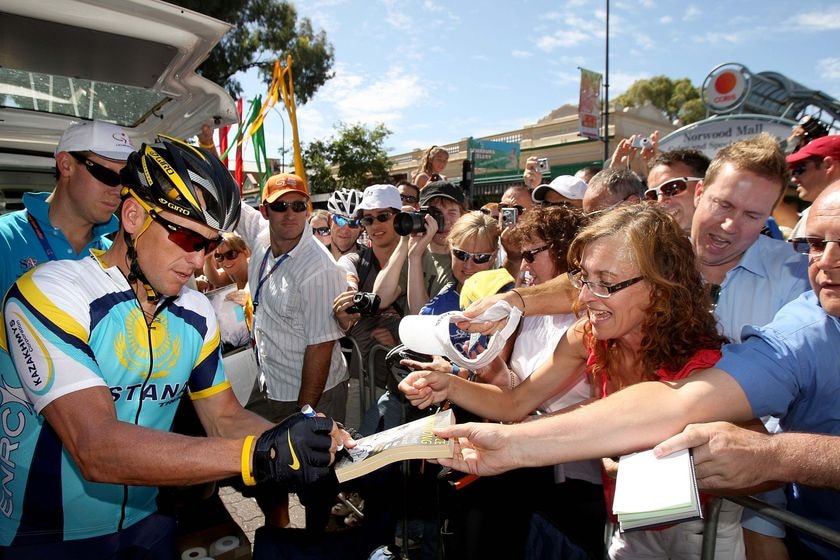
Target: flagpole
x: 607, y: 89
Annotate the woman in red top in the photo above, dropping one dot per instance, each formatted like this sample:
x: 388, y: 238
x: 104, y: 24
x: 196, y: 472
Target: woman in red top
x: 644, y: 315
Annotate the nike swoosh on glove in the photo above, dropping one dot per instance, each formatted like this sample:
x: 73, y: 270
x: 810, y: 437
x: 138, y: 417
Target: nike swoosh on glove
x: 295, y: 452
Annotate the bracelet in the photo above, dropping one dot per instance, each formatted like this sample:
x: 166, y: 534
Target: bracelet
x: 512, y: 379
x: 247, y: 476
x: 211, y: 144
x: 455, y: 369
x: 522, y: 299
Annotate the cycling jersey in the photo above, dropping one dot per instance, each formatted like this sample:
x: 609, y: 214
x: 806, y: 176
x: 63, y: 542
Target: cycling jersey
x: 72, y: 325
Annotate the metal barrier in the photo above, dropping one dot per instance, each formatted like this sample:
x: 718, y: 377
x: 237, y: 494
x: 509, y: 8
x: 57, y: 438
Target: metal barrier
x: 764, y: 509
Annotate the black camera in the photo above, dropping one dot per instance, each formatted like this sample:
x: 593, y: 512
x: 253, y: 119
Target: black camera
x: 406, y: 223
x: 813, y: 128
x: 365, y: 303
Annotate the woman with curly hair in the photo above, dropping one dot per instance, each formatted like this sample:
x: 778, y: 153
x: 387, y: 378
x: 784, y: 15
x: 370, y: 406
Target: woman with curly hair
x: 432, y: 163
x: 644, y: 315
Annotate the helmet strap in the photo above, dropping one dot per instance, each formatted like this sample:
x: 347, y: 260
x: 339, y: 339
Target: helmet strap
x: 135, y: 273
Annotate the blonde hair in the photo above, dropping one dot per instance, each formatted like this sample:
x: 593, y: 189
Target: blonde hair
x: 235, y: 241
x: 474, y: 224
x: 759, y: 154
x: 426, y: 160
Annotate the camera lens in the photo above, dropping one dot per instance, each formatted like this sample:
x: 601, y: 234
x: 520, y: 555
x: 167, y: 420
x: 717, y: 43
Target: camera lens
x: 406, y: 223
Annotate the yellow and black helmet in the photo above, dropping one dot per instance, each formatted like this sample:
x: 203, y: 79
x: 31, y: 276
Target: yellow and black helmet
x: 175, y: 176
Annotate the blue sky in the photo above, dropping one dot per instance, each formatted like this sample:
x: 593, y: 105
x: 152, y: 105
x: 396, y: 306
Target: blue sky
x: 434, y: 72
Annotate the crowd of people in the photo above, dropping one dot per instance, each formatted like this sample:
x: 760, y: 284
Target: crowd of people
x: 660, y: 304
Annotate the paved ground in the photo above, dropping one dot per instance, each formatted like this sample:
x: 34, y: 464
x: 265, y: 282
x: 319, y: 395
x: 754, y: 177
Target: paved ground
x: 246, y: 512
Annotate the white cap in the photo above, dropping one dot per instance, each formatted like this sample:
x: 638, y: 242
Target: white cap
x: 564, y: 185
x: 102, y: 138
x: 380, y: 196
x: 429, y: 334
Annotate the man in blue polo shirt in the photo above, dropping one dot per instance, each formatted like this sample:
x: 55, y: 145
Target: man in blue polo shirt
x: 79, y: 213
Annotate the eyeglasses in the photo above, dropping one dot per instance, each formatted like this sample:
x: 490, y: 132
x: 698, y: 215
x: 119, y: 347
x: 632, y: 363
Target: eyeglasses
x: 408, y: 198
x: 297, y: 206
x: 99, y: 172
x: 529, y: 256
x: 477, y: 258
x: 382, y: 217
x: 187, y: 239
x: 325, y: 230
x: 229, y: 255
x: 519, y: 208
x: 669, y: 188
x: 598, y: 289
x: 800, y: 168
x: 811, y: 245
x: 342, y: 221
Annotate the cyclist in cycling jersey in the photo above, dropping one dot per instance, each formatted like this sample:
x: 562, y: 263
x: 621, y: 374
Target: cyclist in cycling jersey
x: 104, y: 347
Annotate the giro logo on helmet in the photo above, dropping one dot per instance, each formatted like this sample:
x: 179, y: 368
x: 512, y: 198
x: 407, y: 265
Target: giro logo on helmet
x: 161, y: 162
x: 174, y: 207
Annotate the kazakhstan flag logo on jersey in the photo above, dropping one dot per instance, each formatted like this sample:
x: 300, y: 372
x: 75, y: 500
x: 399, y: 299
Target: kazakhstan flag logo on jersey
x: 132, y: 346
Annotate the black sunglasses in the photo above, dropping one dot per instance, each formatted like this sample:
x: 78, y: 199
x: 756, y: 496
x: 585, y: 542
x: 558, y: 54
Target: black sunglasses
x: 382, y: 217
x: 281, y: 206
x: 409, y: 198
x: 185, y: 238
x: 800, y: 168
x: 229, y: 255
x: 324, y: 230
x: 343, y: 221
x: 670, y: 188
x: 99, y: 172
x: 477, y: 258
x: 529, y: 256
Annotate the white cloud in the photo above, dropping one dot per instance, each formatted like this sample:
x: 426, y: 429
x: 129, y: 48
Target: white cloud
x: 643, y: 41
x: 561, y: 39
x: 620, y: 81
x: 521, y: 54
x: 829, y: 68
x: 691, y: 13
x: 665, y: 20
x: 823, y: 20
x: 718, y: 37
x: 395, y: 17
x: 431, y: 6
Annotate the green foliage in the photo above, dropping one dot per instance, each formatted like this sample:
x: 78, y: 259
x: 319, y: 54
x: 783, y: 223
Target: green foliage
x: 678, y: 99
x: 356, y: 154
x: 263, y: 31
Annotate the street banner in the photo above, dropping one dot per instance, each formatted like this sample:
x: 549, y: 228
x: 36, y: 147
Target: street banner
x: 589, y: 106
x: 489, y: 154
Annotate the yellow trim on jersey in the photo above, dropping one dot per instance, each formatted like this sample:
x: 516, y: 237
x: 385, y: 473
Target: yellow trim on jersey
x: 210, y: 391
x: 38, y: 300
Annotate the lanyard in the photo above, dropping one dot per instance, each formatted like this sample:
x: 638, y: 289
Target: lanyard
x: 39, y: 233
x: 283, y: 257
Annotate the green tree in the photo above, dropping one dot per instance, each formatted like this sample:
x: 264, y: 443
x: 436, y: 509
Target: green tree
x: 263, y: 31
x: 354, y: 158
x: 678, y: 99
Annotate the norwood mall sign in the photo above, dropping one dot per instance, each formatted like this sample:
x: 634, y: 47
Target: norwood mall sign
x: 714, y: 133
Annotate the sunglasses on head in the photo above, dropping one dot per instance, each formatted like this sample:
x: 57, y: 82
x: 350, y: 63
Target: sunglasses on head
x: 408, y: 198
x: 477, y: 258
x: 99, y: 172
x: 227, y: 255
x: 343, y: 221
x: 382, y: 217
x: 324, y: 230
x: 297, y: 206
x: 670, y: 188
x: 185, y: 238
x: 529, y: 256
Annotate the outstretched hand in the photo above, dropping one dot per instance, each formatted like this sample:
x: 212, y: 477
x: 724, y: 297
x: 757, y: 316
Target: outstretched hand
x: 425, y: 388
x: 479, y: 448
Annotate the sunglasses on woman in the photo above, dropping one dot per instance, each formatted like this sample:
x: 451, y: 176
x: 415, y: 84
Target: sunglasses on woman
x: 322, y: 231
x: 669, y: 188
x: 382, y: 217
x: 187, y: 239
x: 343, y: 221
x: 529, y: 256
x: 477, y: 258
x: 99, y: 172
x: 297, y: 206
x: 228, y: 255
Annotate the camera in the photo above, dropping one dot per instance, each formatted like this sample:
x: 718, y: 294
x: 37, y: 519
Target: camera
x: 641, y: 142
x: 812, y: 127
x: 365, y: 303
x: 509, y: 217
x: 542, y: 165
x: 406, y: 223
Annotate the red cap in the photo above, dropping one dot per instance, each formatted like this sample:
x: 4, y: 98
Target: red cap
x: 821, y: 147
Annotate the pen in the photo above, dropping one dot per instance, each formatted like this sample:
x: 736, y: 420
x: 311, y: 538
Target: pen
x: 309, y: 412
